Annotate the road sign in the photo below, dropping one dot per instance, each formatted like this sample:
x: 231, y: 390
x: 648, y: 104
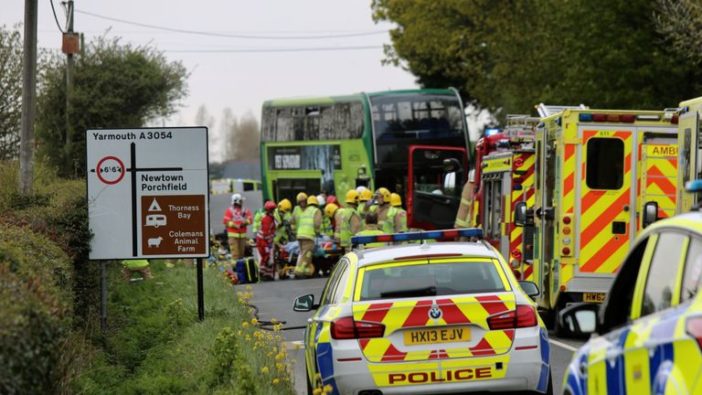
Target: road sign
x: 148, y: 193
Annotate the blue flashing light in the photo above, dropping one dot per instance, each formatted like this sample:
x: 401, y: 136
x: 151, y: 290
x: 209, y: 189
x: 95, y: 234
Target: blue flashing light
x: 414, y: 236
x: 585, y: 117
x: 694, y: 186
x: 491, y: 131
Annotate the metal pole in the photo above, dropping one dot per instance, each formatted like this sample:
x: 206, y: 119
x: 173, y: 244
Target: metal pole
x: 29, y: 85
x: 200, y: 292
x: 103, y: 295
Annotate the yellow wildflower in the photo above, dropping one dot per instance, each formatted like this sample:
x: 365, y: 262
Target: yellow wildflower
x: 276, y: 381
x: 264, y: 370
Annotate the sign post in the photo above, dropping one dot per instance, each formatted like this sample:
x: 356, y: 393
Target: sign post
x: 148, y: 194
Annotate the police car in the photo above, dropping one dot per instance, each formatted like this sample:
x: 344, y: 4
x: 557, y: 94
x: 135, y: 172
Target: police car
x: 425, y: 318
x: 651, y: 322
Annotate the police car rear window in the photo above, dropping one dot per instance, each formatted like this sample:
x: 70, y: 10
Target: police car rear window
x: 409, y: 281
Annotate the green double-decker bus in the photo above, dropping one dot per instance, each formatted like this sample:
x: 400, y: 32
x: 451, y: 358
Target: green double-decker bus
x: 413, y: 142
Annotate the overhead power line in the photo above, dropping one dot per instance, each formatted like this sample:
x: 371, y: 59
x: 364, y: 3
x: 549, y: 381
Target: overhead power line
x: 55, y: 17
x: 232, y: 35
x: 272, y: 50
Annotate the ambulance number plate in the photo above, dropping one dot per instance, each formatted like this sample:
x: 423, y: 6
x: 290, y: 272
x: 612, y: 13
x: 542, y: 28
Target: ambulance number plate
x: 437, y: 335
x: 594, y: 297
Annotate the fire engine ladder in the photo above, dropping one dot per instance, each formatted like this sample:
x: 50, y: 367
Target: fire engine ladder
x: 520, y: 126
x: 546, y: 110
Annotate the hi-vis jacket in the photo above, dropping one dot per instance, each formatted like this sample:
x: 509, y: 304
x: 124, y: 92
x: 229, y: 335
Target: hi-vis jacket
x: 237, y: 219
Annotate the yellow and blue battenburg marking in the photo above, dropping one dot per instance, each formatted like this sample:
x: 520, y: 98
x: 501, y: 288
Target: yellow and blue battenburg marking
x: 652, y: 357
x: 446, y: 234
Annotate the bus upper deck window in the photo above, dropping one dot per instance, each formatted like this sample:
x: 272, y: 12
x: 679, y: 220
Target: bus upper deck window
x: 605, y: 163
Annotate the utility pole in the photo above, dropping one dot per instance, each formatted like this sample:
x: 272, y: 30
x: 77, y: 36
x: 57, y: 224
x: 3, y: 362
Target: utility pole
x: 29, y: 85
x: 69, y: 47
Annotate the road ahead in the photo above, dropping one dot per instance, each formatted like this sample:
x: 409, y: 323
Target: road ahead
x: 274, y: 300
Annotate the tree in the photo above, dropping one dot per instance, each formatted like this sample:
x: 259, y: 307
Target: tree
x: 203, y: 118
x: 246, y: 138
x: 10, y: 92
x: 515, y: 54
x: 680, y: 22
x: 228, y: 127
x: 115, y: 86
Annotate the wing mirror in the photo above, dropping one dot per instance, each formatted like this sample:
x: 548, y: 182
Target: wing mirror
x: 578, y: 320
x: 530, y: 288
x: 650, y: 213
x: 305, y: 303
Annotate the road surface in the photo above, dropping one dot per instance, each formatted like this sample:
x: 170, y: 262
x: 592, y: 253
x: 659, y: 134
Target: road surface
x: 274, y: 300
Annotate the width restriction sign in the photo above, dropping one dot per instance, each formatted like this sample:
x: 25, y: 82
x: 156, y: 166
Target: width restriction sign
x: 148, y: 193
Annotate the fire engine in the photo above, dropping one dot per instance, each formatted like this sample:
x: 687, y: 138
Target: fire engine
x: 505, y: 168
x: 595, y: 171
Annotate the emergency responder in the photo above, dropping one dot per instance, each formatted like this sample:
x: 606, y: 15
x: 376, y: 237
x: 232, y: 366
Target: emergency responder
x: 371, y: 229
x: 131, y: 266
x: 365, y: 198
x: 351, y: 200
x: 327, y: 228
x: 308, y: 228
x: 385, y: 221
x: 264, y: 242
x: 346, y: 223
x: 301, y: 200
x: 333, y: 199
x: 258, y: 216
x: 397, y: 213
x: 282, y: 217
x: 464, y: 216
x: 237, y: 218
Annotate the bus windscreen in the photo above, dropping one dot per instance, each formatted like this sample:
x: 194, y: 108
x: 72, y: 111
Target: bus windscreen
x: 417, y: 117
x: 338, y: 121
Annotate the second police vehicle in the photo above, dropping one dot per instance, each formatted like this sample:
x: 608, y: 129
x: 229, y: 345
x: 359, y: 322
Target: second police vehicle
x: 651, y: 322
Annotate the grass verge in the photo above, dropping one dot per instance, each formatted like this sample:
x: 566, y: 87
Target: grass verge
x: 155, y: 345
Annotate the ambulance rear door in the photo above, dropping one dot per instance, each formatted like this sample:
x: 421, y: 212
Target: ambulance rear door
x: 658, y: 171
x: 607, y: 206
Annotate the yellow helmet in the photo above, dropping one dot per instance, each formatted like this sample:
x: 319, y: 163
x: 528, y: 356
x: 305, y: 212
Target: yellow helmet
x: 301, y: 196
x: 312, y: 200
x: 395, y: 200
x: 365, y: 195
x: 285, y: 205
x: 352, y: 196
x: 330, y: 209
x: 384, y: 192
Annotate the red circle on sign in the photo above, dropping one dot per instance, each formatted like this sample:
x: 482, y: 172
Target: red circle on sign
x: 98, y: 170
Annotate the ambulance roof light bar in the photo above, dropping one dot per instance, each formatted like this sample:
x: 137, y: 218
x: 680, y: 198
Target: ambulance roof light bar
x: 417, y: 236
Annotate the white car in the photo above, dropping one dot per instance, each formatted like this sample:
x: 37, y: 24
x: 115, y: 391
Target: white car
x: 425, y: 318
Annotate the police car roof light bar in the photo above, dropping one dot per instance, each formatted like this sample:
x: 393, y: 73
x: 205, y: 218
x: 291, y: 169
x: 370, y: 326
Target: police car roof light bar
x: 416, y: 236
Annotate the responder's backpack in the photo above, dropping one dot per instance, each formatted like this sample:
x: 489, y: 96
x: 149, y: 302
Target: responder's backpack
x: 246, y: 270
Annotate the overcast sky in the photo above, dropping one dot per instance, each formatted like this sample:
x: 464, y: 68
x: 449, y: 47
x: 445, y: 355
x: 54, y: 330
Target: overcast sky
x: 242, y: 80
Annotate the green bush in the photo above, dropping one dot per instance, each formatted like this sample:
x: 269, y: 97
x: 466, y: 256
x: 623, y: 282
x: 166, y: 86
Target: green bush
x: 43, y: 239
x: 30, y: 336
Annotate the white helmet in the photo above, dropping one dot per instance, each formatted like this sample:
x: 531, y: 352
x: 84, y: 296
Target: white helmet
x: 321, y: 200
x: 237, y: 199
x: 360, y: 189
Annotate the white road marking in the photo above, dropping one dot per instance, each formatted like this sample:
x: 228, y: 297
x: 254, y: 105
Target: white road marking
x: 563, y: 345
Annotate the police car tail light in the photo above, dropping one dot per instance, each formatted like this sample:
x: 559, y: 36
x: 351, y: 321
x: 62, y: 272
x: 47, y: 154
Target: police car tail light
x: 346, y: 328
x: 693, y: 327
x: 523, y: 317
